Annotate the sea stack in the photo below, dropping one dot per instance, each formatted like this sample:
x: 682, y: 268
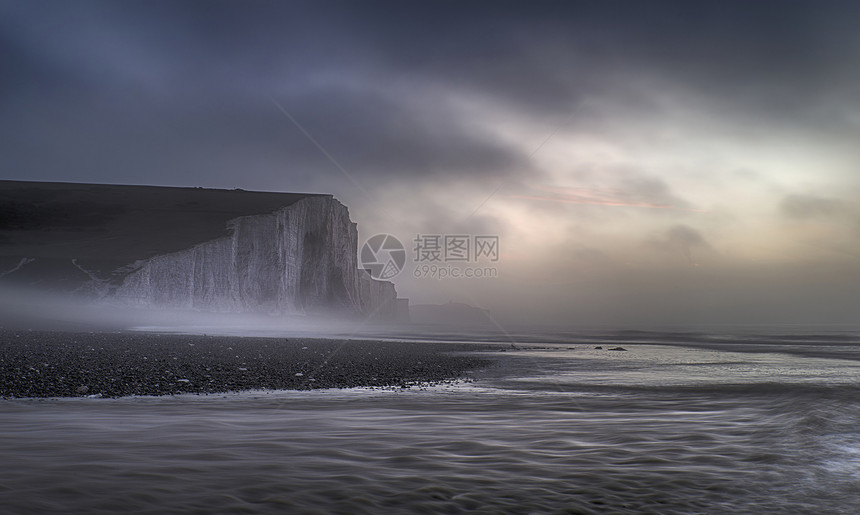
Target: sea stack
x: 197, y: 249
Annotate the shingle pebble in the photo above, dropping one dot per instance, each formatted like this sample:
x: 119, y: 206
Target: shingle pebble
x: 62, y: 364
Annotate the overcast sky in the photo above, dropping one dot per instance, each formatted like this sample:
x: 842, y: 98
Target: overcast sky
x: 641, y: 162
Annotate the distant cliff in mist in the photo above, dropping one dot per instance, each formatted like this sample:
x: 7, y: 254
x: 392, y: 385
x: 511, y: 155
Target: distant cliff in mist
x: 451, y: 314
x: 188, y: 248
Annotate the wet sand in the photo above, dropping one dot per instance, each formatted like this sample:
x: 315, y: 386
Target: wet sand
x: 65, y: 364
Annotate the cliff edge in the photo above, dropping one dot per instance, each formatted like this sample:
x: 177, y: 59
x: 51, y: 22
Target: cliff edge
x: 188, y: 248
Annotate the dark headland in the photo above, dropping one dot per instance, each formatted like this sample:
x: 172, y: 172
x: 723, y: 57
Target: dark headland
x: 94, y: 223
x: 69, y: 364
x: 191, y: 249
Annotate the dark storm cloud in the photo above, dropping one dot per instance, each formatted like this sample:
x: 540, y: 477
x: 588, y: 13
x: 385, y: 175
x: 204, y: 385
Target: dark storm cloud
x: 402, y: 94
x: 368, y: 133
x: 184, y: 89
x: 177, y: 94
x: 778, y: 58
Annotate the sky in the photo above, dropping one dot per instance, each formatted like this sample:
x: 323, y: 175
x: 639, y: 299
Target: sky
x: 641, y: 163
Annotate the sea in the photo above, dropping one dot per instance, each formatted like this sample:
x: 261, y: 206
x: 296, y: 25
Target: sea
x: 747, y: 421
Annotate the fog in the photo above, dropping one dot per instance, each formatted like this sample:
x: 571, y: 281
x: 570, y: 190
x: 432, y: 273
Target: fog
x: 30, y: 308
x: 666, y: 164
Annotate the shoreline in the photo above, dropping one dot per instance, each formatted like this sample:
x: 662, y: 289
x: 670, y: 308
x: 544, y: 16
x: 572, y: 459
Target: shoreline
x: 55, y: 364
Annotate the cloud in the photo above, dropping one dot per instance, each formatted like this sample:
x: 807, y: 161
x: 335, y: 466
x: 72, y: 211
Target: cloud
x: 431, y: 107
x: 685, y: 236
x: 802, y: 207
x: 680, y: 238
x: 359, y: 76
x: 627, y: 189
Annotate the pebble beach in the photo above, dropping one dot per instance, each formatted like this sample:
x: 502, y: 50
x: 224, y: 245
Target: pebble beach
x: 68, y: 364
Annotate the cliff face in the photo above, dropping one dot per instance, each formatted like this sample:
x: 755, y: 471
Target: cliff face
x: 291, y: 253
x: 301, y: 258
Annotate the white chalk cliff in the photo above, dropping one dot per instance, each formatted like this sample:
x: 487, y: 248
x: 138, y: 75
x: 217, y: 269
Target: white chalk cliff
x: 298, y: 259
x: 187, y: 248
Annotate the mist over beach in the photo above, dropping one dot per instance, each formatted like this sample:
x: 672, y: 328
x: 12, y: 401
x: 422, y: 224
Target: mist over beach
x: 429, y: 257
